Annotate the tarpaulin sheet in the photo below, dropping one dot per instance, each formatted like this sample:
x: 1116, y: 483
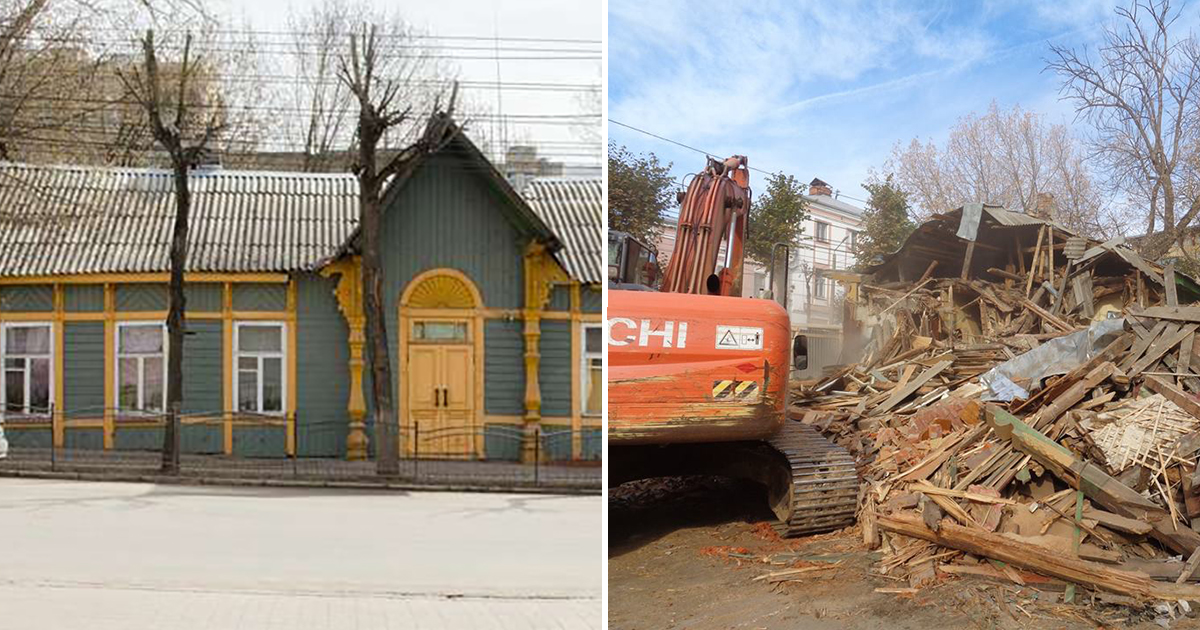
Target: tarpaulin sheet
x: 1057, y: 356
x: 968, y: 225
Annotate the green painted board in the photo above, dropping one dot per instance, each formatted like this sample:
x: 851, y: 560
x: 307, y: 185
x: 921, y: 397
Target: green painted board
x: 27, y: 437
x: 83, y: 369
x: 260, y: 441
x: 323, y: 372
x: 556, y: 442
x: 504, y: 368
x: 32, y: 298
x: 592, y: 448
x: 141, y: 297
x: 502, y: 442
x: 83, y: 438
x: 555, y: 370
x: 83, y: 298
x: 591, y: 300
x: 255, y: 296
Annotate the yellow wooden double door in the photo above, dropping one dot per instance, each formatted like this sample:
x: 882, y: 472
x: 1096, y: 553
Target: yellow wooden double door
x: 441, y: 394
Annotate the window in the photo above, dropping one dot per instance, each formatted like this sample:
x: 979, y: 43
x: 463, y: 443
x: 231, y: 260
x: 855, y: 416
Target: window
x: 433, y: 331
x: 141, y: 366
x: 853, y: 240
x: 27, y: 358
x: 822, y: 232
x: 593, y: 370
x: 258, y: 379
x: 819, y: 287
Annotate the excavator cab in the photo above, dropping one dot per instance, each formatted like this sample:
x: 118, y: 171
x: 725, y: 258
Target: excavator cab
x: 631, y: 265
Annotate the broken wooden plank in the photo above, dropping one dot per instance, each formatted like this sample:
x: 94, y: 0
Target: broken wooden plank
x: 1039, y: 559
x: 1174, y: 394
x: 1189, y: 569
x: 1046, y: 316
x: 1176, y: 313
x: 966, y: 266
x: 1117, y: 522
x: 1163, y: 345
x: 1095, y: 483
x: 909, y: 388
x: 1169, y: 284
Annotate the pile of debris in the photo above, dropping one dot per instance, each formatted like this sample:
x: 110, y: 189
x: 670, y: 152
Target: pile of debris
x: 1033, y: 417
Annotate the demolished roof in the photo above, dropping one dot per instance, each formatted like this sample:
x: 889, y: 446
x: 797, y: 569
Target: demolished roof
x: 996, y: 232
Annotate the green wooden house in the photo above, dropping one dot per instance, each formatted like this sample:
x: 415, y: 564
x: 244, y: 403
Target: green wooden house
x: 493, y: 301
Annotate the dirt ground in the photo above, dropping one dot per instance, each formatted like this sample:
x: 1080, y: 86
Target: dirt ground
x: 683, y: 553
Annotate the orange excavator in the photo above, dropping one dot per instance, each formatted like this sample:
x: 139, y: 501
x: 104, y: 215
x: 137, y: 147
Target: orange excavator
x: 698, y: 376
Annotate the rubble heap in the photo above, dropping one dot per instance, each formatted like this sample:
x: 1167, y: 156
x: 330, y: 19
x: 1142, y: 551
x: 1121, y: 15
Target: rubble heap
x: 1032, y: 417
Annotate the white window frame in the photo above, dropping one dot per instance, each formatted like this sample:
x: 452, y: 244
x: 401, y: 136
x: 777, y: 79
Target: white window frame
x: 819, y: 288
x: 28, y: 372
x: 260, y: 355
x: 585, y: 367
x: 117, y: 356
x: 817, y: 232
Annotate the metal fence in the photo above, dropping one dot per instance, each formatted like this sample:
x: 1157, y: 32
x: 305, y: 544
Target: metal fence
x: 463, y: 455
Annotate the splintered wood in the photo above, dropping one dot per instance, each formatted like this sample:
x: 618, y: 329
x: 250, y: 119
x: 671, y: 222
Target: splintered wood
x: 1092, y: 479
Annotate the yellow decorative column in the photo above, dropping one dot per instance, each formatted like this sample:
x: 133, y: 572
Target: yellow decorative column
x: 349, y: 297
x: 541, y: 273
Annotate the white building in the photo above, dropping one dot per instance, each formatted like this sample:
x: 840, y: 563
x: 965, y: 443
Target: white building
x: 826, y: 244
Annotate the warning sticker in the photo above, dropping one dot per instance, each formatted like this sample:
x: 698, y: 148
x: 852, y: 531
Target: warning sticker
x: 739, y: 338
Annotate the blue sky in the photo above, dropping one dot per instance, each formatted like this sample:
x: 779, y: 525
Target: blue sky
x: 825, y: 89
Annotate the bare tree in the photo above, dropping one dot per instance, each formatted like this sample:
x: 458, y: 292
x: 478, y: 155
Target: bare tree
x: 382, y: 107
x: 1140, y: 95
x: 1002, y: 157
x: 184, y: 125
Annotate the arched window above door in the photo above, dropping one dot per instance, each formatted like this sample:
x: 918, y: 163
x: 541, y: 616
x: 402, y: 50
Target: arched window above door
x: 441, y: 288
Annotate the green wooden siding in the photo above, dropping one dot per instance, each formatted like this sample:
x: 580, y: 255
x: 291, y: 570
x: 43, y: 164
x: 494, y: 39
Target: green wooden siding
x: 141, y: 297
x: 502, y: 442
x: 504, y: 368
x: 323, y: 372
x: 560, y: 299
x: 260, y: 441
x: 27, y: 437
x: 205, y: 297
x: 447, y: 215
x: 591, y: 300
x: 83, y: 369
x: 126, y: 438
x: 556, y: 442
x: 33, y: 298
x: 87, y: 439
x: 259, y: 297
x: 83, y: 298
x: 203, y: 346
x: 555, y: 370
x: 592, y: 444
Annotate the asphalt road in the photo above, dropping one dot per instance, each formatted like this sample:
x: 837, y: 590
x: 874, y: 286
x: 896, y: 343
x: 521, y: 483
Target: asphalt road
x: 111, y: 555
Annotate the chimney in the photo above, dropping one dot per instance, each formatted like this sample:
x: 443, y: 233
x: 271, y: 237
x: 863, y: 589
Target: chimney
x: 1044, y: 206
x: 817, y: 188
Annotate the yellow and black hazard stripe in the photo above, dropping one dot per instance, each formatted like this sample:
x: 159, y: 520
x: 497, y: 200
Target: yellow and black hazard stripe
x: 734, y: 390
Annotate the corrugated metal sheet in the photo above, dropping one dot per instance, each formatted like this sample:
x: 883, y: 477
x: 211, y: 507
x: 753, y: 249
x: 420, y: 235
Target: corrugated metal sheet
x: 573, y: 208
x: 73, y: 220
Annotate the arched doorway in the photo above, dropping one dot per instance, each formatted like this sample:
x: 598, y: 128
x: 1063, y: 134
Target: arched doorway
x: 441, y: 378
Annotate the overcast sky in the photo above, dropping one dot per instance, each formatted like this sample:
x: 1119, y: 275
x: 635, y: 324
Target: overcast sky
x: 825, y: 89
x: 556, y: 19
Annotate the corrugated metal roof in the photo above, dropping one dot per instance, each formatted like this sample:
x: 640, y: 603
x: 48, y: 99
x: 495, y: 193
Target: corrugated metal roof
x: 573, y: 209
x: 57, y: 220
x: 77, y: 220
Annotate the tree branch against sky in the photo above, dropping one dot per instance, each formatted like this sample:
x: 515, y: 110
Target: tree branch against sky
x: 640, y: 189
x: 1003, y: 157
x: 1139, y: 91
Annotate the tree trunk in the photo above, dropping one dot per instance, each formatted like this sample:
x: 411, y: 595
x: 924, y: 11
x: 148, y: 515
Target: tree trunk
x: 175, y: 318
x: 378, y: 350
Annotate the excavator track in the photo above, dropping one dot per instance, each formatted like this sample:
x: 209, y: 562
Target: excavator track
x: 824, y: 485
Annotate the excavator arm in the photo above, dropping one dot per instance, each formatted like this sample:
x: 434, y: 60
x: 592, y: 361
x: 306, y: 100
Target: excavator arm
x: 713, y: 210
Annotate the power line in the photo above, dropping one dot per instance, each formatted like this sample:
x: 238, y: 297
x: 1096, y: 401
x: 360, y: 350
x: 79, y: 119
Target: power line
x: 837, y: 194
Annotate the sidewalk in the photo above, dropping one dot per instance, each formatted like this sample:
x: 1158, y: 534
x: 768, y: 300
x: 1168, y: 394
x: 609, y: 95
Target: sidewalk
x: 481, y: 476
